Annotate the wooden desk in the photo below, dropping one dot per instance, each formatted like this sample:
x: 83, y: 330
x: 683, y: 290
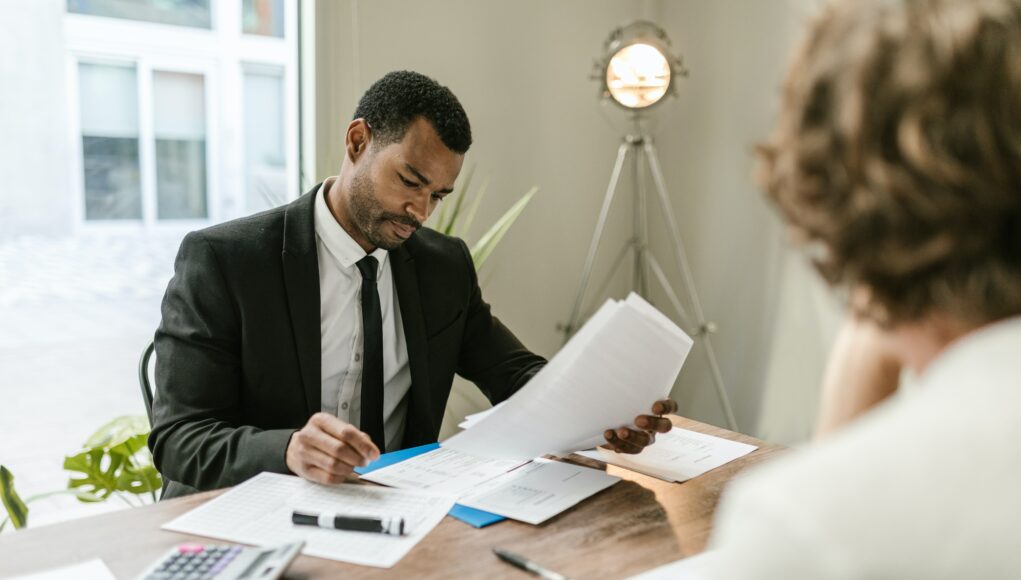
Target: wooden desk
x: 635, y: 525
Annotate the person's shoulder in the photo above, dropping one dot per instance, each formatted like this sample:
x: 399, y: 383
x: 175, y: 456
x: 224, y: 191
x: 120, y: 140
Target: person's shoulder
x: 245, y: 229
x: 897, y: 458
x: 889, y: 485
x: 860, y: 455
x: 254, y: 234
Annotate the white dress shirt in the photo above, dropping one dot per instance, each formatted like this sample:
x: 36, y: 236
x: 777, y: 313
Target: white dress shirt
x: 926, y: 486
x: 340, y: 319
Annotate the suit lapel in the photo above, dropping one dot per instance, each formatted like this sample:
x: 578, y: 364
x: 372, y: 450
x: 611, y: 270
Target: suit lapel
x: 301, y: 281
x: 419, y: 417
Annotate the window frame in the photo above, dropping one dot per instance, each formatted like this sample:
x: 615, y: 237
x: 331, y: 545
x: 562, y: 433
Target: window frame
x: 220, y: 54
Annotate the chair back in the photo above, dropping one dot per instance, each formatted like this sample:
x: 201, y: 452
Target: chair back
x: 143, y: 378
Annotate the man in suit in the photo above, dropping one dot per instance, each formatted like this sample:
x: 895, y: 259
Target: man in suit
x: 309, y: 338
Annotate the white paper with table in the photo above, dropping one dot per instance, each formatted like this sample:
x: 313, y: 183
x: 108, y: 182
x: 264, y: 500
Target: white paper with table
x: 259, y: 510
x: 624, y: 358
x: 678, y: 455
x: 443, y: 470
x: 538, y: 490
x: 530, y: 491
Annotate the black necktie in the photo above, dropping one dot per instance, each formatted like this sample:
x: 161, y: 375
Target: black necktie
x: 372, y: 355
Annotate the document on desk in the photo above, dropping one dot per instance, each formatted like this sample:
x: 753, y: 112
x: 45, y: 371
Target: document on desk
x: 528, y: 491
x: 678, y: 455
x: 259, y: 510
x: 537, y: 491
x: 622, y: 360
x: 443, y: 470
x: 94, y: 569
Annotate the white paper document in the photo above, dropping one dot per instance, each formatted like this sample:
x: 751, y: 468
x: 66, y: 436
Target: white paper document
x: 625, y: 357
x: 678, y: 455
x: 94, y: 569
x: 474, y: 418
x: 259, y: 510
x: 443, y: 470
x: 538, y: 490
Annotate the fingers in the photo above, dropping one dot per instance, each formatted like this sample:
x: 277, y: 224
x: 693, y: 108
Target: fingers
x: 330, y: 469
x: 326, y: 450
x: 335, y: 449
x: 653, y: 423
x: 347, y: 433
x: 318, y: 475
x: 625, y: 440
x: 664, y: 407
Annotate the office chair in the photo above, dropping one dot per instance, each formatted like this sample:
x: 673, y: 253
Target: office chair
x: 143, y: 378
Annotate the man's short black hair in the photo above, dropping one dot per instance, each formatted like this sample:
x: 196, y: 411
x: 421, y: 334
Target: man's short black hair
x: 393, y: 102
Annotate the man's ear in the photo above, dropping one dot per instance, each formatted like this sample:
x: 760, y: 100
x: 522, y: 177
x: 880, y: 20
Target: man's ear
x: 357, y: 139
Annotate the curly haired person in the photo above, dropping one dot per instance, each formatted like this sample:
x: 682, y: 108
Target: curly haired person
x: 896, y: 160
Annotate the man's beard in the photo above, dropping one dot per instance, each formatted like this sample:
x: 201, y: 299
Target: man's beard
x: 369, y: 216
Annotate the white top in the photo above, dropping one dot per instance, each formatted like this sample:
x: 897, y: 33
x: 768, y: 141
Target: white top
x: 340, y: 323
x: 926, y: 486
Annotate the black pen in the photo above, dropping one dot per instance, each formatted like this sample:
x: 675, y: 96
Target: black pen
x: 392, y: 526
x: 527, y: 565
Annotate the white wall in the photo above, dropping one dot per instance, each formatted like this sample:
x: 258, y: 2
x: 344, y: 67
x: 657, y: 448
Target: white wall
x: 776, y: 320
x: 521, y: 70
x: 33, y: 150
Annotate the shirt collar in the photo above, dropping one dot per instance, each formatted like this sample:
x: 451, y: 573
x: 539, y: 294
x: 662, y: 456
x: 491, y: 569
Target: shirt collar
x: 985, y: 354
x: 344, y: 249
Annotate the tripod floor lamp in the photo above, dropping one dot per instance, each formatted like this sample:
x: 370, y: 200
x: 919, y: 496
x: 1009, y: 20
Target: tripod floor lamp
x: 637, y: 73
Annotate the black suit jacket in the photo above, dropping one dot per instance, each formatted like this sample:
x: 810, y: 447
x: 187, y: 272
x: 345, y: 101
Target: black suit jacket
x: 238, y: 349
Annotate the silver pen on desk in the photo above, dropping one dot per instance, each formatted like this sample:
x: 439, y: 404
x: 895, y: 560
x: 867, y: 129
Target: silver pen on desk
x: 527, y: 565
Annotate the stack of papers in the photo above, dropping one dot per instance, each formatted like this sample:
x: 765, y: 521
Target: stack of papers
x: 259, y: 510
x: 678, y: 455
x: 470, y: 516
x: 530, y: 491
x: 626, y: 357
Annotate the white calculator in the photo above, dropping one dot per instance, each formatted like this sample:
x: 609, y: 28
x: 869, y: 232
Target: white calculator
x: 225, y: 562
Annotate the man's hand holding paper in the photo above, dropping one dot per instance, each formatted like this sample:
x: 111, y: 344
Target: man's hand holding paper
x: 627, y: 440
x: 626, y: 356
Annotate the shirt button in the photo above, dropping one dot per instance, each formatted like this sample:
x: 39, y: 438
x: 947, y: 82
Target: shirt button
x: 358, y: 357
x: 343, y: 406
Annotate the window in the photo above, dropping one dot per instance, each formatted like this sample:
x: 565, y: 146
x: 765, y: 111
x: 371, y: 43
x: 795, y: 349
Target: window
x: 110, y: 140
x: 265, y: 162
x: 179, y: 123
x: 176, y: 126
x: 142, y: 120
x: 195, y: 13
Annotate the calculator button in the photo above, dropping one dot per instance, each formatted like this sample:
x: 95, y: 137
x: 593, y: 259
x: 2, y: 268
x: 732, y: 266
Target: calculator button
x: 191, y: 548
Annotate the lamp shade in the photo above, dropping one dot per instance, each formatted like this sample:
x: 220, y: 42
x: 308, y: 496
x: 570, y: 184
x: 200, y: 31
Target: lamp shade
x: 637, y: 69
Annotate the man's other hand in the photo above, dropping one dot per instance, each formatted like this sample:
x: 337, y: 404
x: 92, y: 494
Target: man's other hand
x: 629, y: 440
x: 326, y: 450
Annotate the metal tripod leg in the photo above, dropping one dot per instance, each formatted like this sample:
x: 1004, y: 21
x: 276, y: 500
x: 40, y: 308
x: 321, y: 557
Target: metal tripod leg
x: 596, y: 236
x: 704, y: 327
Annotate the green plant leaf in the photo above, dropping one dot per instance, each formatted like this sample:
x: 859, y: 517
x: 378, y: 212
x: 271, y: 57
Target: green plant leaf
x: 17, y: 511
x: 487, y: 243
x: 458, y: 200
x: 99, y: 480
x: 139, y: 479
x: 118, y: 431
x: 469, y: 219
x: 447, y: 222
x: 115, y: 459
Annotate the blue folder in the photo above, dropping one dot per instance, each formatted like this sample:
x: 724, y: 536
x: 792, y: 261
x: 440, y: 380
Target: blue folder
x: 470, y: 516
